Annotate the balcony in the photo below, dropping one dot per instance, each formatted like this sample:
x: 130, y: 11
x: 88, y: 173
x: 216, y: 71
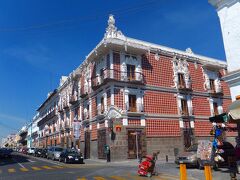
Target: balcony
x: 66, y: 126
x: 114, y: 75
x: 47, y: 118
x: 183, y: 87
x: 73, y: 99
x: 60, y: 109
x: 137, y: 110
x: 86, y: 115
x: 214, y: 93
x: 100, y: 112
x: 65, y: 105
x: 84, y: 91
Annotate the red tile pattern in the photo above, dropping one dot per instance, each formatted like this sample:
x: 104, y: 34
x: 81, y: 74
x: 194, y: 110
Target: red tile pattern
x: 202, y: 127
x: 118, y: 98
x: 197, y: 77
x: 116, y: 61
x: 94, y: 106
x: 162, y: 128
x: 134, y: 122
x: 157, y: 72
x: 201, y: 106
x: 160, y: 102
x: 108, y: 97
x: 94, y: 132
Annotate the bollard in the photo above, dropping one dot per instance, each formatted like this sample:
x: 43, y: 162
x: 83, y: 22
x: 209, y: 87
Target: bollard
x: 207, y: 172
x: 183, y: 172
x: 166, y: 158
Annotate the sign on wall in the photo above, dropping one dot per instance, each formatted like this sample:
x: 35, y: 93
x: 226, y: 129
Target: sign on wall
x: 76, y: 129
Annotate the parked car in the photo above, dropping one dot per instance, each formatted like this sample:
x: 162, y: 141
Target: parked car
x: 54, y: 153
x: 43, y: 153
x: 5, y: 152
x: 71, y: 156
x: 31, y: 151
x: 37, y: 152
x: 189, y: 157
x: 24, y: 150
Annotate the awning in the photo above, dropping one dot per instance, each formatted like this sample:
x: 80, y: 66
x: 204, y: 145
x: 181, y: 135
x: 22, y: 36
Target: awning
x: 234, y: 110
x: 221, y: 118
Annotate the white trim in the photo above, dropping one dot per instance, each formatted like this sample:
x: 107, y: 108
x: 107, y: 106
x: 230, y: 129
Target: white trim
x: 125, y: 121
x: 181, y: 124
x: 112, y: 95
x: 143, y: 122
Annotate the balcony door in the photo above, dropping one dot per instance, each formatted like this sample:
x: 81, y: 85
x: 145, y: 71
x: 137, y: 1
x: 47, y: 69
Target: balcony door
x: 130, y: 72
x: 132, y: 103
x: 181, y: 80
x: 184, y: 107
x: 212, y: 85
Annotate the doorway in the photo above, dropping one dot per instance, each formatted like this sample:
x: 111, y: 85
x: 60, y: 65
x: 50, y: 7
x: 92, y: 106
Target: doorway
x: 87, y: 145
x: 101, y: 142
x: 134, y: 148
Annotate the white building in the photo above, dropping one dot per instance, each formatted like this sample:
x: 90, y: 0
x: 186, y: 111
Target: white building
x: 33, y: 132
x: 229, y: 15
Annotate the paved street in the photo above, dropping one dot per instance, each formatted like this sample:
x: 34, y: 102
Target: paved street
x: 21, y: 167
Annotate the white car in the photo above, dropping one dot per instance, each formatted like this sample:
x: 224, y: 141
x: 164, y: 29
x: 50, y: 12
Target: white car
x: 31, y: 151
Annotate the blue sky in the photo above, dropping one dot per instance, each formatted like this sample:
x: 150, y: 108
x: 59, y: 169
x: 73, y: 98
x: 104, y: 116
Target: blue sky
x: 41, y: 40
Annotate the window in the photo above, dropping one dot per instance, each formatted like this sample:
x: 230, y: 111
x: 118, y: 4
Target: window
x: 130, y: 72
x: 184, y: 107
x: 212, y: 85
x: 215, y: 109
x: 181, y: 81
x: 102, y: 105
x: 132, y: 103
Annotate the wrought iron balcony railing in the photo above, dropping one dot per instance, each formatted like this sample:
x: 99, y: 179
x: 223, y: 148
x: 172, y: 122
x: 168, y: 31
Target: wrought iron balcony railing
x: 114, y: 75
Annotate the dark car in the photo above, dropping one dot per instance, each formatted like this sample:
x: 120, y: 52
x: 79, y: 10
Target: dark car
x: 71, y: 156
x: 5, y: 152
x: 37, y: 152
x: 44, y: 153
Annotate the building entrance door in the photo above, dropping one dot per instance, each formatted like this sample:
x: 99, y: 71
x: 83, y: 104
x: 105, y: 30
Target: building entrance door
x: 134, y: 144
x: 101, y: 143
x: 87, y: 145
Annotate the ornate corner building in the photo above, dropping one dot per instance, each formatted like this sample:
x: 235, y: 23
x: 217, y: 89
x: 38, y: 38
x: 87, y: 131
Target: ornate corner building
x: 135, y: 96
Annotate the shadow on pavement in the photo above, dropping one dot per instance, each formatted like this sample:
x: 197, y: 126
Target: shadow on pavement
x: 14, y: 159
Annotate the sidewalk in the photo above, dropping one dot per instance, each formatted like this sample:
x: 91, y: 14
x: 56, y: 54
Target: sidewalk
x: 129, y: 162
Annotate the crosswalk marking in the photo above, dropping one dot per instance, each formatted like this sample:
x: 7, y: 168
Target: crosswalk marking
x: 58, y: 167
x: 36, y: 168
x: 99, y: 178
x: 11, y: 170
x: 81, y: 178
x: 46, y: 167
x: 117, y: 178
x: 23, y: 169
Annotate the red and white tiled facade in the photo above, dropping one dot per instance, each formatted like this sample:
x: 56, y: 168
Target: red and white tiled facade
x: 129, y: 91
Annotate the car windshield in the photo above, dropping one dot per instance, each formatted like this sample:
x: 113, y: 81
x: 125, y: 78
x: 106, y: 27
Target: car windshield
x: 192, y: 148
x: 58, y: 149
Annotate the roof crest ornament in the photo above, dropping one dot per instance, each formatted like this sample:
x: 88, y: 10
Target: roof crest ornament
x: 111, y: 30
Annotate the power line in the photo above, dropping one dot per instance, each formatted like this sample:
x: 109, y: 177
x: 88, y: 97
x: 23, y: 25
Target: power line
x: 60, y: 23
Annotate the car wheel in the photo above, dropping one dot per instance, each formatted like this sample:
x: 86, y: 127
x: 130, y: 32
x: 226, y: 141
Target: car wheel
x: 149, y: 174
x: 199, y: 165
x: 65, y: 160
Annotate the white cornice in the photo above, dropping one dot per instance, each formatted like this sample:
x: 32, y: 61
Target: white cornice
x: 219, y: 4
